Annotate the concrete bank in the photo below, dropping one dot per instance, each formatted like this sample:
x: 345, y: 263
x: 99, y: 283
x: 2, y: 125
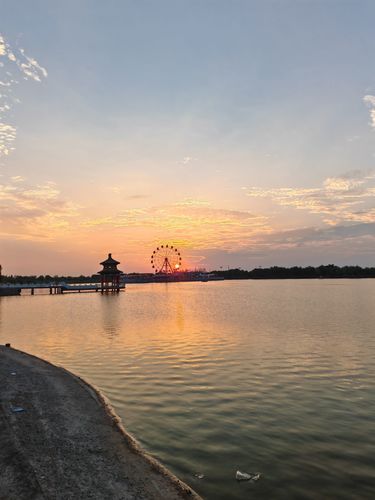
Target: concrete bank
x: 60, y: 439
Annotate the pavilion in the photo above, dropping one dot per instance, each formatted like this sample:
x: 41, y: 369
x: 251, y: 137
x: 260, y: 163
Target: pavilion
x: 110, y: 275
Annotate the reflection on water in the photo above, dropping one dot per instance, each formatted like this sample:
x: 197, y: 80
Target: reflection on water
x: 110, y: 310
x: 268, y: 376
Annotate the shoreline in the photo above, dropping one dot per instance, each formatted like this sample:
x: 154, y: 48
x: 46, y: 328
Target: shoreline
x: 61, y: 439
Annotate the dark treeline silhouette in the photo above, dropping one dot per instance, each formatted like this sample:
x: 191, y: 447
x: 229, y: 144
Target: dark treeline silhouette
x: 275, y: 272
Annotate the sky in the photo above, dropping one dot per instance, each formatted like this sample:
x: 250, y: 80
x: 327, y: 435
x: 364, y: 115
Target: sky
x: 242, y: 132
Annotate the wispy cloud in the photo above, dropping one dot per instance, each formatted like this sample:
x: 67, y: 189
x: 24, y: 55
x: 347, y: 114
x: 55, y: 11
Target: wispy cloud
x: 304, y: 246
x: 370, y: 101
x: 33, y: 211
x: 7, y: 136
x: 186, y: 160
x: 14, y: 64
x: 191, y: 202
x: 317, y: 237
x: 193, y: 223
x: 124, y: 193
x: 347, y: 198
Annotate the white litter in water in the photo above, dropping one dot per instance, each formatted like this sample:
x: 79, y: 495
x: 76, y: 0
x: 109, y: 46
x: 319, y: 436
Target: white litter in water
x: 17, y: 409
x: 242, y: 476
x: 199, y: 475
x: 245, y: 476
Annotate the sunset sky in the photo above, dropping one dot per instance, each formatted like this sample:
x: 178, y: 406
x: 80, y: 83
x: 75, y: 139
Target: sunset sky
x: 240, y: 131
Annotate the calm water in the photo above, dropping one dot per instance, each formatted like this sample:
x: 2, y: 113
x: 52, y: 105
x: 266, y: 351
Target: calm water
x: 274, y: 377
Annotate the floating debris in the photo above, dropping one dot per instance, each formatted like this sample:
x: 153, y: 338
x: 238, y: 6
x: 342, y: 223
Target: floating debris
x: 242, y: 476
x: 13, y: 373
x: 199, y: 475
x: 17, y: 409
x: 245, y: 476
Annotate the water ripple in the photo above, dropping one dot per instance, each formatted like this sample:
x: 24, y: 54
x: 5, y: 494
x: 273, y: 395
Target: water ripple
x: 276, y: 377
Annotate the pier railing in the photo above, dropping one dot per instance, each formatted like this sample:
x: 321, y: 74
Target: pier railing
x: 60, y: 287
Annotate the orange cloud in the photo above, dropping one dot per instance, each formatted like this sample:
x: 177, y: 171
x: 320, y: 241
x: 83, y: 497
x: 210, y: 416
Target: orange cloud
x: 33, y: 212
x: 193, y: 224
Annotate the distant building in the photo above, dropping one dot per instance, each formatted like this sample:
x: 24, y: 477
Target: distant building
x: 110, y: 275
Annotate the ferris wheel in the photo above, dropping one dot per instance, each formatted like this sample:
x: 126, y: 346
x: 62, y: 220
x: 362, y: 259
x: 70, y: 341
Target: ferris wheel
x: 166, y: 259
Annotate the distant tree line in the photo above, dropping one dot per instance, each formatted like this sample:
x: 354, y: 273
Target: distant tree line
x: 295, y: 272
x: 275, y: 272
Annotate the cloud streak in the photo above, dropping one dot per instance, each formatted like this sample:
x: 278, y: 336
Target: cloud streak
x: 33, y: 211
x: 193, y: 223
x: 313, y: 237
x: 370, y: 101
x: 347, y: 198
x: 14, y: 64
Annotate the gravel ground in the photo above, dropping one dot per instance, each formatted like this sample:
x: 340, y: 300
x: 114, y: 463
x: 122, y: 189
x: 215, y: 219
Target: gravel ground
x: 60, y: 439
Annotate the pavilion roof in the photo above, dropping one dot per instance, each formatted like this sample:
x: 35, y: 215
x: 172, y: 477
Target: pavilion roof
x: 109, y: 272
x: 109, y: 261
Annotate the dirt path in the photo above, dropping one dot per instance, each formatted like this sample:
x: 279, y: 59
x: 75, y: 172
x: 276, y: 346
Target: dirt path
x: 67, y: 443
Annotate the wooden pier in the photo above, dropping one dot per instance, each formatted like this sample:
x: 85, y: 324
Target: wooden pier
x: 110, y: 282
x: 55, y: 288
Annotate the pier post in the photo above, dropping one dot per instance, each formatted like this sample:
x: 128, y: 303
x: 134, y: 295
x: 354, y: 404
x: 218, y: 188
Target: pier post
x: 50, y: 290
x: 32, y: 291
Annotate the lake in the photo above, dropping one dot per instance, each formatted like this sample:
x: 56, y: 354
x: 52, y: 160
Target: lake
x: 275, y: 377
